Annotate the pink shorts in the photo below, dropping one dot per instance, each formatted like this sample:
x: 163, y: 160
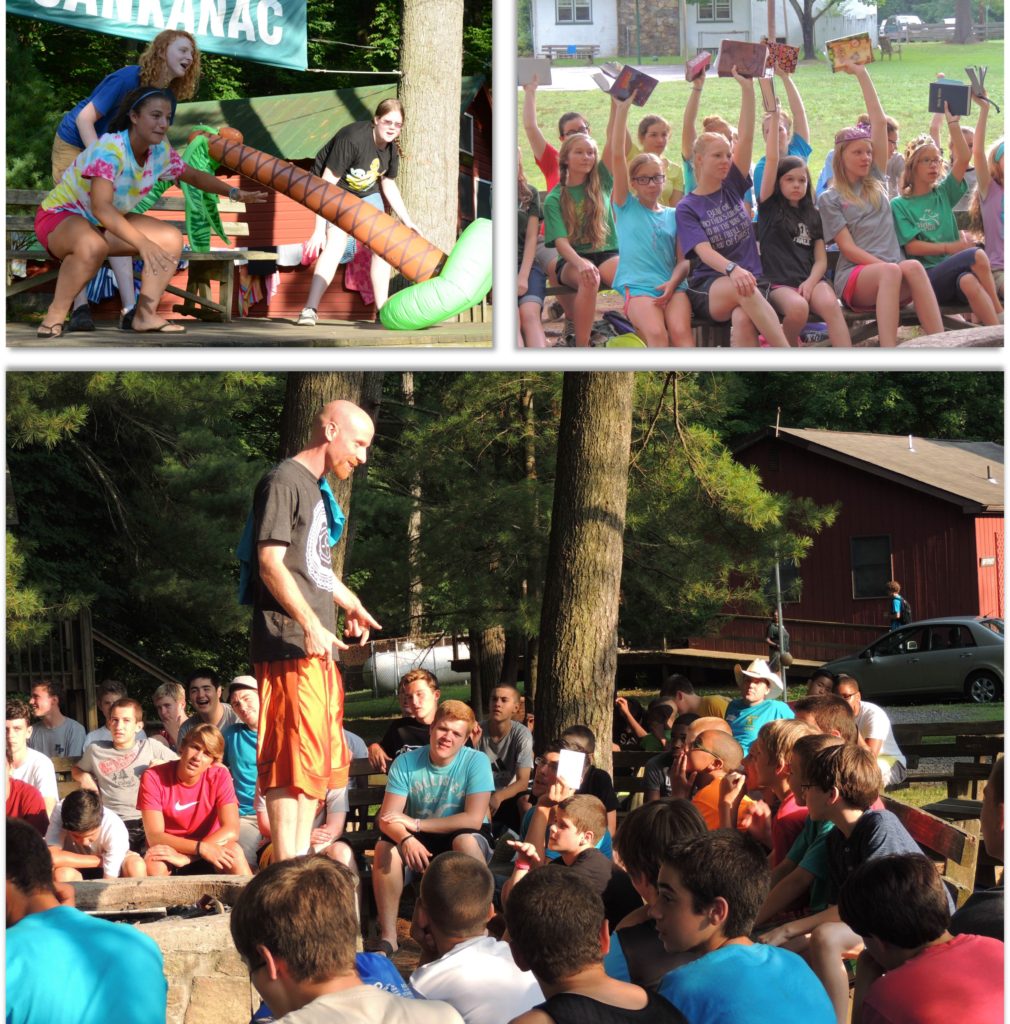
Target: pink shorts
x: 850, y: 290
x: 46, y: 221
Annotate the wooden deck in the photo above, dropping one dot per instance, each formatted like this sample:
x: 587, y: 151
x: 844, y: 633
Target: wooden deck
x: 260, y: 332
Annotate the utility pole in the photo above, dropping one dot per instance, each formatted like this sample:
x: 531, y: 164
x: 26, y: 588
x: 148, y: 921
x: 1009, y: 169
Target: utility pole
x: 782, y: 625
x: 638, y: 33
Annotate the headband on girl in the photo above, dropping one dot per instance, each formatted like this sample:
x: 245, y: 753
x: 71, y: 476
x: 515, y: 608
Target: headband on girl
x: 999, y: 153
x: 153, y: 92
x: 920, y: 141
x: 857, y: 131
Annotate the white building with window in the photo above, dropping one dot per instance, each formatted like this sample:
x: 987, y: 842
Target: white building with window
x: 703, y: 25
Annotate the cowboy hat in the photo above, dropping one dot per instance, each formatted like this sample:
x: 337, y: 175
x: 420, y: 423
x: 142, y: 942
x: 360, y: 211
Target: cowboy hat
x: 758, y: 669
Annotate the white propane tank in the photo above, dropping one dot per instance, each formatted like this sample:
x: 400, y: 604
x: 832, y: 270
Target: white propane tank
x: 383, y: 671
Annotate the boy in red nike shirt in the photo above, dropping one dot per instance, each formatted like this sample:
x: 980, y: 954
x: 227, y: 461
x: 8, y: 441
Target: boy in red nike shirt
x: 190, y: 811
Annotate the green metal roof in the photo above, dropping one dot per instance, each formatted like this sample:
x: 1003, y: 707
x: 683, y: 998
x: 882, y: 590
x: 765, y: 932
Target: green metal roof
x: 296, y: 126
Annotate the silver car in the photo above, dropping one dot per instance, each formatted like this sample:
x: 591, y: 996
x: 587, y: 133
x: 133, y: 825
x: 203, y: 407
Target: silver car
x: 935, y: 657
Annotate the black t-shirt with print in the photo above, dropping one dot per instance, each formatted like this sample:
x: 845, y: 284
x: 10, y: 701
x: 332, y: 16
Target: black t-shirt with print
x: 787, y: 257
x: 288, y: 508
x: 356, y: 161
x: 599, y: 784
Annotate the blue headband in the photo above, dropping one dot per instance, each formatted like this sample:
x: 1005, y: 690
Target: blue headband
x: 999, y: 153
x: 153, y: 92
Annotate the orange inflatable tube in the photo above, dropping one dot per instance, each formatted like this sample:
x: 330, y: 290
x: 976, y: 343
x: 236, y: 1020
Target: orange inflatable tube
x: 401, y: 247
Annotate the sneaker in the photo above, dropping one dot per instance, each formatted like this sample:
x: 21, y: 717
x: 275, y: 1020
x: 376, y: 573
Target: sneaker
x: 554, y: 311
x: 308, y: 318
x: 815, y: 339
x: 126, y: 318
x: 569, y: 333
x: 81, y: 319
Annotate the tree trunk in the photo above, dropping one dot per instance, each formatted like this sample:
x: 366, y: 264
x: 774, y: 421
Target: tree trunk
x: 476, y: 696
x: 510, y: 658
x: 305, y: 395
x: 578, y: 624
x: 491, y: 653
x: 534, y: 585
x: 807, y: 22
x: 771, y: 21
x: 371, y: 402
x: 415, y: 606
x: 431, y: 59
x: 962, y: 22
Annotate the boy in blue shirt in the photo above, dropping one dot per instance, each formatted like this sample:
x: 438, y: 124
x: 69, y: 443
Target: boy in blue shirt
x: 759, y: 702
x: 93, y: 956
x: 436, y: 800
x: 710, y: 889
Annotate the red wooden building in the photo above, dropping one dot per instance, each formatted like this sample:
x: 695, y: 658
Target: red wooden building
x: 295, y: 128
x: 927, y: 513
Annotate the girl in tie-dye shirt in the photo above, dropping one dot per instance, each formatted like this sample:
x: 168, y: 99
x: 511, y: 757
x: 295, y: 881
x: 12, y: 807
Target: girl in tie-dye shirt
x: 87, y: 217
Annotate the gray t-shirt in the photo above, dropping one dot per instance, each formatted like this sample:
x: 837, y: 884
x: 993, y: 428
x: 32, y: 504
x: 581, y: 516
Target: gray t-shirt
x: 288, y: 508
x: 876, y: 834
x: 66, y: 740
x: 982, y: 914
x: 657, y: 773
x: 117, y: 772
x: 871, y: 229
x: 507, y: 755
x: 228, y: 718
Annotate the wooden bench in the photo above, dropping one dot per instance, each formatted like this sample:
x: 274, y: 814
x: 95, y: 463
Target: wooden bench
x: 65, y: 784
x: 954, y: 846
x: 216, y: 265
x: 361, y: 833
x: 561, y: 51
x: 711, y: 335
x: 978, y: 740
x: 889, y: 49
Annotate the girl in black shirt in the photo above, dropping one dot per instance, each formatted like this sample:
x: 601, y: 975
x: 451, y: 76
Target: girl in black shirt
x: 793, y: 255
x: 362, y: 158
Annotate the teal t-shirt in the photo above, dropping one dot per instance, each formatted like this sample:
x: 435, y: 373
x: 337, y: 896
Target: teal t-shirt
x: 746, y: 719
x: 809, y: 853
x: 929, y: 218
x: 648, y: 243
x: 240, y: 760
x: 757, y: 984
x: 554, y: 224
x: 63, y: 965
x: 434, y: 792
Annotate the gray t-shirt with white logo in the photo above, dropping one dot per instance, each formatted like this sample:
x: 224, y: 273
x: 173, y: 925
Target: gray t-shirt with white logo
x: 66, y: 740
x: 117, y: 772
x: 512, y: 752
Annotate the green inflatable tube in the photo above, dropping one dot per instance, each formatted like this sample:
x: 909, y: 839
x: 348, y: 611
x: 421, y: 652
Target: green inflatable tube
x: 464, y: 281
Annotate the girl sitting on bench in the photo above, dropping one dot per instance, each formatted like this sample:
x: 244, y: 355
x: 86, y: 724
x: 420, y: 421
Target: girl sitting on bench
x: 871, y: 275
x: 532, y: 280
x: 986, y: 208
x: 87, y: 218
x: 653, y: 136
x: 957, y: 269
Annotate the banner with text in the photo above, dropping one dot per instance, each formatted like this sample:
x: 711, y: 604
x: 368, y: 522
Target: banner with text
x: 266, y: 31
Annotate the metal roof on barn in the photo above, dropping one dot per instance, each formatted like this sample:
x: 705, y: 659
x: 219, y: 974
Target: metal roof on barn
x: 955, y: 471
x: 296, y: 126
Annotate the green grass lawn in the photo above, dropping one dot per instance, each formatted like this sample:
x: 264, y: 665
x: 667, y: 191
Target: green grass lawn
x: 832, y: 101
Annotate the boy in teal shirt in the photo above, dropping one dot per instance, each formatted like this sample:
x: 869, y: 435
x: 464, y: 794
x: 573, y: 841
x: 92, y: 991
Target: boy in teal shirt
x: 759, y: 702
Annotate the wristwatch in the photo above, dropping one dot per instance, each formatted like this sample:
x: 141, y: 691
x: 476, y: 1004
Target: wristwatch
x: 729, y: 268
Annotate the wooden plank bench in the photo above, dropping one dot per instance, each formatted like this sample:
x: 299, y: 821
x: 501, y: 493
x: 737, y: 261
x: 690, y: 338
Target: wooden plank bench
x: 561, y: 51
x: 862, y: 326
x: 65, y: 784
x: 954, y: 847
x: 216, y: 265
x: 970, y: 739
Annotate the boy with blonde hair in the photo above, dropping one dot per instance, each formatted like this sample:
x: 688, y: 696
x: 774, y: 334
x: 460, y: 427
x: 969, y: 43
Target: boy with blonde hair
x: 436, y: 800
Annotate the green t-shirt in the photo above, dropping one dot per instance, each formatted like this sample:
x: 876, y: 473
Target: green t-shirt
x: 554, y: 225
x: 929, y: 218
x: 809, y: 853
x: 650, y: 743
x: 534, y: 210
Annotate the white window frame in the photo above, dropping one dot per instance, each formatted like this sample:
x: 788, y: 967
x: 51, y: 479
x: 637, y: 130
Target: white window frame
x: 476, y: 194
x: 714, y: 6
x: 466, y: 119
x: 572, y: 6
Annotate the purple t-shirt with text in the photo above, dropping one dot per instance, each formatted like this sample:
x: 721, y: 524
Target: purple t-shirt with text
x: 720, y: 219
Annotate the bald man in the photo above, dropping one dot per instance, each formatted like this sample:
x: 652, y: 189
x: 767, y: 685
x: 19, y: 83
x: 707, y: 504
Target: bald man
x: 301, y: 747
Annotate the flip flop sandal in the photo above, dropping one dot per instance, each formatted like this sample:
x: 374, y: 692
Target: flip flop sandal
x: 163, y: 329
x: 383, y: 948
x: 56, y: 331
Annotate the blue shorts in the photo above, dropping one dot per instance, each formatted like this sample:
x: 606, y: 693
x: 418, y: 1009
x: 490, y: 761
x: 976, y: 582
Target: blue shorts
x: 537, y: 290
x: 351, y: 249
x: 946, y: 277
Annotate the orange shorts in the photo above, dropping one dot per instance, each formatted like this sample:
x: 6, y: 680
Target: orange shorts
x: 300, y: 741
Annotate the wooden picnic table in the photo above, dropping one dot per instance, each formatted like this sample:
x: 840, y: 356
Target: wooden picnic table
x: 561, y: 51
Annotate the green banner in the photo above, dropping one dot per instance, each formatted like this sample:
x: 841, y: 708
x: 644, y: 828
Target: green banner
x: 267, y: 31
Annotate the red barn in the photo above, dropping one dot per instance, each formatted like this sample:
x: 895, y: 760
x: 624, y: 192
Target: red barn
x: 927, y: 513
